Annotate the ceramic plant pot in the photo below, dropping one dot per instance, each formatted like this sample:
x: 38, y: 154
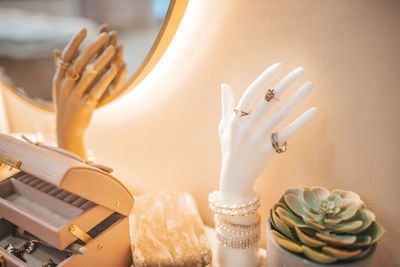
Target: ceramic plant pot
x: 280, y: 257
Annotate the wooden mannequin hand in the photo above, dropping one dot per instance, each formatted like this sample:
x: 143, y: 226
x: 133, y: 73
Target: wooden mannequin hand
x: 84, y: 80
x: 246, y: 140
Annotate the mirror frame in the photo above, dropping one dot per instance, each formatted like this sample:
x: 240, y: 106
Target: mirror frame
x: 169, y: 26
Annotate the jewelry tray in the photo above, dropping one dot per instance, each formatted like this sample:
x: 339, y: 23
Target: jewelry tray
x: 43, y: 209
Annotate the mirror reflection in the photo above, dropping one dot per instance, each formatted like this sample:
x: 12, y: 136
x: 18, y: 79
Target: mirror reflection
x: 31, y: 29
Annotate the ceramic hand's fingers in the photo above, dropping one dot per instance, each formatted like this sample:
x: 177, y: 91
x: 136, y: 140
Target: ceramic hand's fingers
x: 96, y: 67
x: 100, y: 87
x: 286, y: 108
x: 112, y: 38
x: 258, y: 86
x: 227, y: 104
x: 119, y: 53
x: 296, y: 125
x: 67, y: 55
x: 263, y: 107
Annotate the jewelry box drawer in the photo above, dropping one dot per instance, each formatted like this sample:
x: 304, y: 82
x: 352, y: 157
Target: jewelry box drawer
x: 109, y: 247
x: 47, y: 211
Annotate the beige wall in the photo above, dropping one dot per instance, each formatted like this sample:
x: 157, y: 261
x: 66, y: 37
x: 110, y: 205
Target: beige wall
x: 167, y: 127
x: 164, y: 133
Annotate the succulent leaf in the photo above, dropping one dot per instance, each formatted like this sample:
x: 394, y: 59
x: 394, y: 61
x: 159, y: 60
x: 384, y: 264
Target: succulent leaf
x: 349, y: 198
x: 314, y: 215
x: 318, y: 256
x: 290, y: 219
x: 375, y: 231
x: 282, y: 227
x: 363, y: 253
x: 338, y: 240
x: 307, y: 240
x: 278, y: 205
x: 310, y: 199
x: 286, y: 243
x: 366, y: 216
x: 348, y: 227
x: 320, y: 193
x: 271, y: 212
x: 362, y: 241
x: 295, y: 204
x: 297, y: 192
x: 342, y: 216
x: 312, y: 223
x: 341, y: 254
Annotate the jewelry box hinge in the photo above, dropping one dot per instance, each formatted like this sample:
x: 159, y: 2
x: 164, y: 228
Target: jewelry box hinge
x: 79, y: 233
x: 9, y: 160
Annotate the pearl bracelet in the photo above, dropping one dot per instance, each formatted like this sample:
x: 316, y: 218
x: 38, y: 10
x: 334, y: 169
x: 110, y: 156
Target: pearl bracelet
x: 235, y: 243
x: 244, y: 209
x: 238, y: 229
x: 219, y: 220
x: 238, y: 232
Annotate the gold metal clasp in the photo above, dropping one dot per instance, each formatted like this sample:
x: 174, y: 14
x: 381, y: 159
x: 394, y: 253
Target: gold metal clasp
x: 79, y: 233
x: 10, y: 161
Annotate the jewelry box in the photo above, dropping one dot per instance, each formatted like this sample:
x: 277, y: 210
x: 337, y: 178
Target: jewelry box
x: 60, y: 210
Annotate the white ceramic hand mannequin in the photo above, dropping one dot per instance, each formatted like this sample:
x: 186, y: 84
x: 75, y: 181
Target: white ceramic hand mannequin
x: 247, y: 148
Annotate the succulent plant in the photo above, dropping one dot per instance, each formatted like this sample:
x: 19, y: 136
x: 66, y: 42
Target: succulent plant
x: 324, y: 226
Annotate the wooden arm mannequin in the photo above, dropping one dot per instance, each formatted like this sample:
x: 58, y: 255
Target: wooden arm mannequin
x: 98, y: 74
x: 246, y: 146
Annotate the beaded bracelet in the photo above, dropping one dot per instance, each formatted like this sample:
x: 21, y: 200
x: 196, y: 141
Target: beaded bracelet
x: 244, y: 209
x: 238, y: 229
x: 219, y: 220
x: 235, y: 243
x: 238, y: 232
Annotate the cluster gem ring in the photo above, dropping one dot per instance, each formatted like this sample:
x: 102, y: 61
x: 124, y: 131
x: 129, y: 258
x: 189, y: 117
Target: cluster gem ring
x: 91, y: 70
x: 270, y: 94
x: 62, y: 64
x: 275, y: 143
x: 241, y: 113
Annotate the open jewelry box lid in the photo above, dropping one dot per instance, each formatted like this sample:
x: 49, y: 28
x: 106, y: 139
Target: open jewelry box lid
x: 68, y: 173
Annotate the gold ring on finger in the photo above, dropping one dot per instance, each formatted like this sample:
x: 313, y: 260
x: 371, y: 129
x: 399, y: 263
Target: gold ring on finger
x: 62, y: 64
x: 275, y: 143
x: 241, y: 113
x: 72, y: 74
x: 270, y: 94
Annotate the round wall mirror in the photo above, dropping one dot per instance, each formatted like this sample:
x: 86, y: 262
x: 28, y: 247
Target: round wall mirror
x: 31, y: 29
